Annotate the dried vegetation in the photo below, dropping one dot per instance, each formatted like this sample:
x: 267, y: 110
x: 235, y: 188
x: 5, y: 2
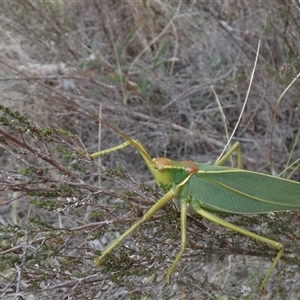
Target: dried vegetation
x: 149, y: 68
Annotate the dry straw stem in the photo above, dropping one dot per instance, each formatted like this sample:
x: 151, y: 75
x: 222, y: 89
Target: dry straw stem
x: 243, y: 107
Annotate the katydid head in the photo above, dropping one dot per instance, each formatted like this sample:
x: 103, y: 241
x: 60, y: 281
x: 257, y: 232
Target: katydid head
x: 167, y: 171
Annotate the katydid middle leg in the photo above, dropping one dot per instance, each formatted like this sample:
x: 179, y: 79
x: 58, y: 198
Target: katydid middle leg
x: 184, y: 205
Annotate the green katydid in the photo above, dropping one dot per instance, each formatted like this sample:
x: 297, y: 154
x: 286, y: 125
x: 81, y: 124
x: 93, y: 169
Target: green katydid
x: 209, y: 190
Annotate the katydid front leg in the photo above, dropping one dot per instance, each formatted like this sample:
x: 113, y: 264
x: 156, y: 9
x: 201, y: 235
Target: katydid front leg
x: 110, y: 150
x: 147, y: 216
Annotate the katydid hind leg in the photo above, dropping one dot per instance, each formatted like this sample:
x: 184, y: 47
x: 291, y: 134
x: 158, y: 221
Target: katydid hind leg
x: 250, y: 234
x: 235, y: 148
